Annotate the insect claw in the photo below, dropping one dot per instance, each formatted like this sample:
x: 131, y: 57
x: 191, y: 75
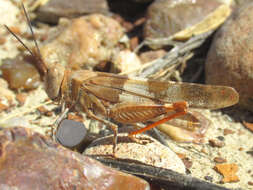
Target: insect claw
x: 140, y: 140
x: 115, y: 139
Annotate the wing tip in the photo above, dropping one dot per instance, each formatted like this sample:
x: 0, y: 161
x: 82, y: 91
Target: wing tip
x: 229, y: 97
x: 233, y: 96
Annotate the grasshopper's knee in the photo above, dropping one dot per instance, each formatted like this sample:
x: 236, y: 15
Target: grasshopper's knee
x: 180, y: 106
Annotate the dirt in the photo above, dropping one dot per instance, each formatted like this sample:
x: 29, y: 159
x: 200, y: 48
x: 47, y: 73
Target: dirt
x: 237, y: 149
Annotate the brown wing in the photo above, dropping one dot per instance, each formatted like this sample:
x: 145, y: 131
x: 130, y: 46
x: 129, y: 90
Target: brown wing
x: 116, y: 88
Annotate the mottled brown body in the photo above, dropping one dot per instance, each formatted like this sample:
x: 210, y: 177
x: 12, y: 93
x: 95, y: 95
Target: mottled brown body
x: 137, y: 100
x: 104, y: 96
x: 132, y: 100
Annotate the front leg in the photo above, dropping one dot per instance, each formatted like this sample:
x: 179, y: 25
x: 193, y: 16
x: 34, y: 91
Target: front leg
x: 57, y: 122
x: 64, y: 112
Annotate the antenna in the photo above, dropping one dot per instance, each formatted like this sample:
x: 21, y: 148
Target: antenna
x: 30, y: 26
x: 40, y: 64
x: 19, y: 40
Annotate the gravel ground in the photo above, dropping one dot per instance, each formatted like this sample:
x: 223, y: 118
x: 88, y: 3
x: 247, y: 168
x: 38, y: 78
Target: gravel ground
x: 237, y: 146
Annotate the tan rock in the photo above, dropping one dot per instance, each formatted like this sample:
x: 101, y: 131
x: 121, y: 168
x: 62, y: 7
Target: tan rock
x: 152, y: 153
x: 167, y: 17
x: 229, y: 61
x: 83, y: 42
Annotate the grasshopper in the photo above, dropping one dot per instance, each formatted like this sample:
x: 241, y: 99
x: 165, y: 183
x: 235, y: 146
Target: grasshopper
x: 103, y: 96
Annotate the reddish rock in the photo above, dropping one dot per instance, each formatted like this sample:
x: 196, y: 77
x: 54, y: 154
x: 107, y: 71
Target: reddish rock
x: 28, y: 160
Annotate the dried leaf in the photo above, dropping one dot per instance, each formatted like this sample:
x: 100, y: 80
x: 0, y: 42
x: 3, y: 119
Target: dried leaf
x: 211, y: 22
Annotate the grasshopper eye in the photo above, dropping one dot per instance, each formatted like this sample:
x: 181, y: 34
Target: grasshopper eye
x: 53, y: 81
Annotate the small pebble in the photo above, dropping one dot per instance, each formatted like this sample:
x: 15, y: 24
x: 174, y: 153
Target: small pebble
x: 250, y: 183
x: 240, y: 132
x: 181, y: 155
x: 221, y: 138
x: 208, y: 178
x: 7, y: 96
x: 228, y: 132
x: 250, y: 152
x: 126, y: 61
x: 3, y: 107
x: 15, y: 30
x: 216, y: 143
x: 44, y: 111
x: 2, y: 40
x: 187, y: 162
x: 219, y: 160
x: 249, y: 126
x: 228, y: 171
x: 75, y: 117
x: 20, y: 74
x: 21, y: 98
x: 204, y: 150
x: 134, y: 42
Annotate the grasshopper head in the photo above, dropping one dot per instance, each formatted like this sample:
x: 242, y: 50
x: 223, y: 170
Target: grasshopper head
x: 53, y: 81
x: 53, y: 74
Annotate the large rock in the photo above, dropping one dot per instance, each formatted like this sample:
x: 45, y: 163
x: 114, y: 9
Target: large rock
x: 166, y: 17
x: 230, y: 61
x: 52, y: 10
x: 83, y: 42
x: 152, y: 153
x: 28, y: 160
